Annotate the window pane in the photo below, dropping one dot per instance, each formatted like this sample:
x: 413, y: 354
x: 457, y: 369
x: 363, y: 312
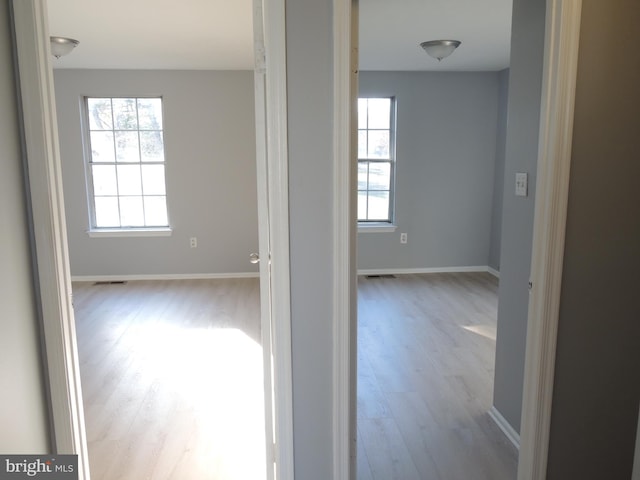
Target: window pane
x: 127, y: 149
x: 102, y: 147
x: 124, y: 113
x: 376, y: 163
x: 151, y: 147
x: 155, y: 211
x: 100, y: 114
x: 153, y: 179
x: 379, y: 113
x: 131, y: 213
x: 363, y: 174
x: 362, y: 205
x: 379, y: 176
x: 378, y: 144
x: 362, y: 113
x: 104, y: 180
x: 107, y: 212
x: 378, y: 205
x: 129, y: 182
x: 362, y: 144
x: 150, y: 114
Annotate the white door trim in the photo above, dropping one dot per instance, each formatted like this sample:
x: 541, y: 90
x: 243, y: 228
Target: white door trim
x: 30, y: 22
x: 345, y: 79
x: 552, y: 192
x: 259, y: 74
x: 556, y: 123
x: 53, y: 281
x: 277, y: 182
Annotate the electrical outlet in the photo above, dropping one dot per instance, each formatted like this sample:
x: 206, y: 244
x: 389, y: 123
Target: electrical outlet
x: 193, y: 242
x: 403, y: 238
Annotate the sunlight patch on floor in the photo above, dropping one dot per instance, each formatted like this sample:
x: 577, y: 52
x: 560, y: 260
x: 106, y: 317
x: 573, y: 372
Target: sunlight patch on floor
x: 487, y: 331
x: 216, y: 373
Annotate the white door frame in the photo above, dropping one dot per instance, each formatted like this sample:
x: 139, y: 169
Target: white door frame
x: 562, y: 35
x: 53, y: 279
x: 554, y: 154
x: 345, y: 324
x: 270, y: 89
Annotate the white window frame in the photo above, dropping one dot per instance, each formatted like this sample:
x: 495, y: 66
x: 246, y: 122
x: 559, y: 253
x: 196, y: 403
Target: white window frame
x: 381, y: 225
x: 123, y: 231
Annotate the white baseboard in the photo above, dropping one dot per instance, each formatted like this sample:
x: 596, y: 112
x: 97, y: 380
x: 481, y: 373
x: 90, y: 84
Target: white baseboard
x: 201, y: 276
x: 507, y: 429
x: 408, y: 271
x: 169, y: 276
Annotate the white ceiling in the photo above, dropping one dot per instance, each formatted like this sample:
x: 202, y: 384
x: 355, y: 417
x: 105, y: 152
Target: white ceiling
x: 155, y: 34
x: 391, y: 32
x: 217, y: 34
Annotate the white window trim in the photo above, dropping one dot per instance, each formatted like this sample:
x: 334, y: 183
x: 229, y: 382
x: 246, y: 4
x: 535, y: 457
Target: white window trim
x: 376, y: 227
x: 130, y: 232
x: 123, y: 231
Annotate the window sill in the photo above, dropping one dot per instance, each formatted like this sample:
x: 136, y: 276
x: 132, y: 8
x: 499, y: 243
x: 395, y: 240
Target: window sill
x: 376, y: 227
x: 130, y: 232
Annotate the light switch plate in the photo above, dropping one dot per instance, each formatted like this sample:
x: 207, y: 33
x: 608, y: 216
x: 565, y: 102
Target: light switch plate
x: 521, y: 184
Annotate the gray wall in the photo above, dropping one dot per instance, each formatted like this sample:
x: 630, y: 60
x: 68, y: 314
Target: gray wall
x: 447, y: 126
x: 309, y: 76
x: 498, y: 178
x: 525, y: 87
x: 210, y: 172
x: 597, y: 382
x: 22, y: 408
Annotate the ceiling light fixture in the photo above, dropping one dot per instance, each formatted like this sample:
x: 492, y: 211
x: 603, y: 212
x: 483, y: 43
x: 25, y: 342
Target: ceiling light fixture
x: 62, y: 46
x: 440, y: 48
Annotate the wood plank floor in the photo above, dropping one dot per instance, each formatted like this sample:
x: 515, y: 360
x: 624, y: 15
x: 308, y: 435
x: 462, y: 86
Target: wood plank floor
x: 172, y: 379
x: 426, y: 347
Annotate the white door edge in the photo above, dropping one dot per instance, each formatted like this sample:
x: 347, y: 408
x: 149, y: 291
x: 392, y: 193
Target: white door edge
x: 277, y: 185
x: 263, y: 234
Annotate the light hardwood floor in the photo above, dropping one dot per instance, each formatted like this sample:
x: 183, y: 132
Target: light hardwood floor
x: 426, y: 348
x: 172, y: 379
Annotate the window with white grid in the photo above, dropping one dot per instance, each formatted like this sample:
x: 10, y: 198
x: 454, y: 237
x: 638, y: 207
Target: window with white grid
x: 126, y: 163
x: 376, y: 159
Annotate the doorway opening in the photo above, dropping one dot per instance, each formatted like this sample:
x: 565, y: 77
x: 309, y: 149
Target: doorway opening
x: 165, y: 380
x: 558, y: 90
x: 427, y: 339
x: 69, y: 435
